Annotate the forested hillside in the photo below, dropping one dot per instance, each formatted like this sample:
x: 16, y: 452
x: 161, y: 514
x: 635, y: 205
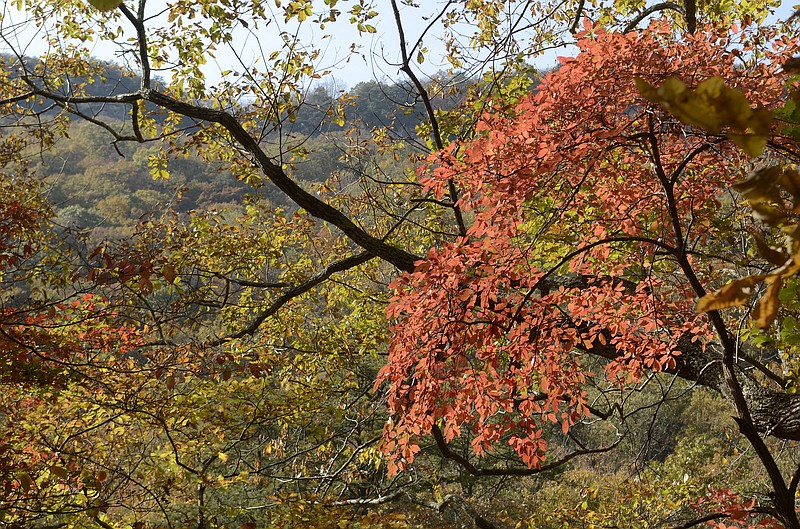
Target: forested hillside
x: 104, y: 187
x: 489, y: 297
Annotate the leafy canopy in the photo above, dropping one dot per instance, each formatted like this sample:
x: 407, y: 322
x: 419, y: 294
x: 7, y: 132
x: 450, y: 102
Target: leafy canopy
x: 588, y: 207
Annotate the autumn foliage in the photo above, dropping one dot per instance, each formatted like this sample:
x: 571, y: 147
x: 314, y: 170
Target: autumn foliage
x: 591, y: 208
x: 534, y: 292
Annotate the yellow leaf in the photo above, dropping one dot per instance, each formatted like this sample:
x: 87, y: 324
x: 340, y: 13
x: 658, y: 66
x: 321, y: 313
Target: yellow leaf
x: 733, y: 294
x: 647, y: 90
x: 712, y: 106
x: 729, y: 105
x: 760, y: 121
x: 767, y: 308
x: 223, y: 457
x: 687, y: 106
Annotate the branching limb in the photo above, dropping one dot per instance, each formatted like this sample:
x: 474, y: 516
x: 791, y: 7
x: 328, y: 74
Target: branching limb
x: 137, y: 21
x: 702, y: 520
x: 426, y: 101
x: 292, y: 293
x: 690, y: 14
x: 16, y: 99
x: 371, y: 502
x: 663, y: 6
x: 254, y: 284
x: 767, y: 372
x: 400, y: 258
x: 576, y: 21
x: 732, y: 386
x: 441, y: 444
x: 795, y: 481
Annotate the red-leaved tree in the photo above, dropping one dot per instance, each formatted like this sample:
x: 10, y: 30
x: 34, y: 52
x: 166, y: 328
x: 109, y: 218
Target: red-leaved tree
x: 597, y: 220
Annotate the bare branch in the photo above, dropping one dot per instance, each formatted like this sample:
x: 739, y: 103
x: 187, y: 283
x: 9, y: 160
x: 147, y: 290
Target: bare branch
x: 649, y: 11
x: 441, y: 444
x: 426, y: 101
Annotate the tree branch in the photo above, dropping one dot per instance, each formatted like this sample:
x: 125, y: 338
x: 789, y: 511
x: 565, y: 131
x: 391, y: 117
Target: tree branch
x: 576, y: 21
x: 441, y: 444
x: 398, y: 257
x: 649, y: 11
x: 426, y: 101
x: 702, y: 520
x: 292, y: 293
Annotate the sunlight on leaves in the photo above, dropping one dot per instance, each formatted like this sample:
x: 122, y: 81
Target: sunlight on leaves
x: 713, y: 106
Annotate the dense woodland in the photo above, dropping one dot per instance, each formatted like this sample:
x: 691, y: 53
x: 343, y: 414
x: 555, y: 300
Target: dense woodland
x: 493, y: 297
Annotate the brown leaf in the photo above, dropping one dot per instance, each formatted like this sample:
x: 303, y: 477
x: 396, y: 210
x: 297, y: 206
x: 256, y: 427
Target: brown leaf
x: 768, y: 213
x: 25, y: 481
x: 59, y: 472
x: 792, y: 65
x: 790, y: 181
x: 145, y: 285
x: 168, y: 271
x: 772, y: 255
x: 767, y: 308
x: 760, y: 185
